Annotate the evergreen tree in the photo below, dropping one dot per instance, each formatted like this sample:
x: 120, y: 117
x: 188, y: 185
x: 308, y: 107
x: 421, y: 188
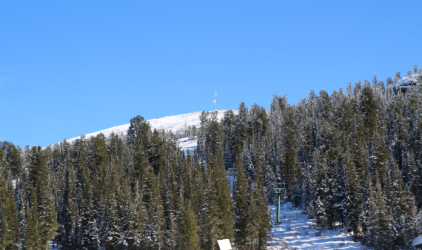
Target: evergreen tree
x: 33, y: 238
x: 188, y: 231
x: 40, y: 176
x: 352, y: 202
x: 262, y: 212
x: 241, y: 217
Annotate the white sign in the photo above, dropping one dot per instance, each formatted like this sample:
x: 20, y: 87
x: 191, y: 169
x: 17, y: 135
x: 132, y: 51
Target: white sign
x: 224, y: 244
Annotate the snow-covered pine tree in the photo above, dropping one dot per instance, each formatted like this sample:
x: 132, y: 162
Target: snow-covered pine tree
x: 40, y: 180
x: 352, y: 200
x: 262, y: 212
x: 241, y: 208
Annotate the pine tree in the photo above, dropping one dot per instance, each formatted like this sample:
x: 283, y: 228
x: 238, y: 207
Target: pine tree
x: 12, y: 217
x: 290, y: 165
x: 158, y: 217
x: 4, y: 230
x: 253, y: 219
x: 33, y: 238
x: 68, y: 214
x: 223, y: 199
x: 412, y: 223
x: 369, y: 106
x: 262, y: 212
x: 241, y: 217
x: 111, y: 231
x: 383, y: 222
x: 40, y: 176
x: 188, y: 231
x: 352, y: 202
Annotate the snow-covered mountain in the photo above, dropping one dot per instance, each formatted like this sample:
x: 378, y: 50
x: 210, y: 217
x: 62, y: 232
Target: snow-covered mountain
x: 173, y: 123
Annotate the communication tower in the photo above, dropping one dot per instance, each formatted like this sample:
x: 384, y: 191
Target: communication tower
x: 215, y: 100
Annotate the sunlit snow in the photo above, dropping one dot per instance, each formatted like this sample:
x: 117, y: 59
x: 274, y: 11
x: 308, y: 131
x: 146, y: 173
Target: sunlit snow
x: 296, y: 231
x: 406, y: 81
x: 174, y: 123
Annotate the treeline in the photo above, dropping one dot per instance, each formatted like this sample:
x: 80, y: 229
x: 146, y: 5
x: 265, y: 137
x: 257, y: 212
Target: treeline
x: 350, y: 159
x: 137, y: 192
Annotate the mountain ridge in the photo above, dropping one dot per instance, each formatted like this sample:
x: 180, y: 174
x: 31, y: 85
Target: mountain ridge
x: 174, y: 123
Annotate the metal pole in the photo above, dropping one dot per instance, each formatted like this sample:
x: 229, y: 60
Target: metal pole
x: 278, y: 209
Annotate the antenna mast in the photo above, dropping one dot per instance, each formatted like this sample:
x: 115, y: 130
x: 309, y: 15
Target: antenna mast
x: 215, y: 100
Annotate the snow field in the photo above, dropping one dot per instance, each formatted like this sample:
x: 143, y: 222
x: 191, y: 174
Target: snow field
x: 296, y: 231
x: 187, y: 144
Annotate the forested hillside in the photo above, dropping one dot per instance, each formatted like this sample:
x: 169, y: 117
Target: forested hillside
x: 136, y: 192
x: 351, y: 159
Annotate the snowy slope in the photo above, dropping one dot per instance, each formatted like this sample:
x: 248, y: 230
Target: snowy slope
x: 296, y: 231
x: 173, y: 123
x: 406, y: 81
x: 190, y: 145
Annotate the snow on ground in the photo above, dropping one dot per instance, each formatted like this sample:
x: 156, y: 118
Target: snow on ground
x: 169, y: 123
x: 187, y: 144
x: 406, y: 81
x: 296, y: 231
x: 54, y: 247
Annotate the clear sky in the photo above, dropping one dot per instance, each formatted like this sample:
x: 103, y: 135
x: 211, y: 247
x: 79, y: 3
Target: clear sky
x: 74, y: 67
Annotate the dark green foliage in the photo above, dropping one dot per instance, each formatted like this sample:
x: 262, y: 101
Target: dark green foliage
x: 241, y: 219
x: 32, y: 237
x: 188, y: 230
x: 352, y: 201
x: 262, y: 211
x: 369, y: 106
x: 44, y: 212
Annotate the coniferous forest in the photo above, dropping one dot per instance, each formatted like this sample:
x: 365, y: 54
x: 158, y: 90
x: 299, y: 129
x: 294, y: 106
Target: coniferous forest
x: 349, y: 159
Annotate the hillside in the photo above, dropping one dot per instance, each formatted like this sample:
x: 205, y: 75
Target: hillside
x: 173, y: 123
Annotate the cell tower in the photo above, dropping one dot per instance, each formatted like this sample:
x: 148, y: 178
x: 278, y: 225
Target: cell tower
x: 215, y: 100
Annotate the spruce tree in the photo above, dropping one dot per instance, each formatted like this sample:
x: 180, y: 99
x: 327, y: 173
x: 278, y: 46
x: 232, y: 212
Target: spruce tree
x: 223, y: 199
x: 40, y: 177
x: 383, y: 225
x: 241, y: 210
x: 188, y: 231
x: 262, y: 212
x: 12, y: 217
x: 33, y: 238
x: 352, y: 202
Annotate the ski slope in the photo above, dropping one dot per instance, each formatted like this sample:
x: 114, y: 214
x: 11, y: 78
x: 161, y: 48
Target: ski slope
x: 169, y: 123
x: 296, y: 231
x: 188, y: 145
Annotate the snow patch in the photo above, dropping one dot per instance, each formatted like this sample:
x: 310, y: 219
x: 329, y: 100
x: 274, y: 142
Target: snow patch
x: 296, y: 231
x: 407, y: 81
x: 188, y: 145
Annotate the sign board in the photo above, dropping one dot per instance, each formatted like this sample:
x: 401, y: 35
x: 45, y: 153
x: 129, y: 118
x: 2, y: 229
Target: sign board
x: 224, y: 244
x: 278, y: 190
x: 233, y: 174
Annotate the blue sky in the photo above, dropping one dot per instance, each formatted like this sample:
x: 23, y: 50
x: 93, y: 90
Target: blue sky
x: 74, y: 67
